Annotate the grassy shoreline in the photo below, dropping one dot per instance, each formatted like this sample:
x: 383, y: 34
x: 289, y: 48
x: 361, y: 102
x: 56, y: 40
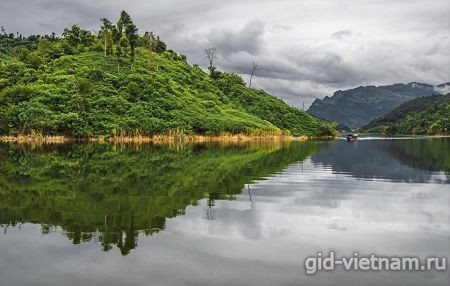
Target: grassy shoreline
x: 156, y: 138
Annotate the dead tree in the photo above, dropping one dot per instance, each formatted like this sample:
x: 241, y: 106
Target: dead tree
x: 211, y: 56
x: 254, y: 68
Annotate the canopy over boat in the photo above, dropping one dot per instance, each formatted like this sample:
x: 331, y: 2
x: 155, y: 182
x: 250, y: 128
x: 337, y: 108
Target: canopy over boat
x: 352, y: 136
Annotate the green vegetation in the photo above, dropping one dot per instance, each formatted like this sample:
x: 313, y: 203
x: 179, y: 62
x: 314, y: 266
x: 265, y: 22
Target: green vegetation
x: 433, y: 121
x: 114, y: 192
x: 12, y: 45
x: 120, y: 83
x: 429, y: 154
x: 381, y: 124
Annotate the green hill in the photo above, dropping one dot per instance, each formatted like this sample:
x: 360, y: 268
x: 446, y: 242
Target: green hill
x: 117, y: 82
x: 433, y: 121
x: 409, y: 108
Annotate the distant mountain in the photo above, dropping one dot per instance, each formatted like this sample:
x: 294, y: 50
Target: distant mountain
x: 412, y: 107
x: 357, y: 107
x: 443, y: 88
x: 435, y: 120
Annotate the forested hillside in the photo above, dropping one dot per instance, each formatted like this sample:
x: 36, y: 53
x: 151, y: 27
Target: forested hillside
x: 412, y: 107
x: 433, y: 121
x: 119, y: 83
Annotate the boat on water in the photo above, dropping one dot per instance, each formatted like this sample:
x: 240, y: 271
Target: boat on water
x: 352, y: 137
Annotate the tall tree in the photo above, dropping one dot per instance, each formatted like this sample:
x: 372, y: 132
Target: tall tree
x: 106, y: 31
x: 132, y: 36
x: 126, y: 26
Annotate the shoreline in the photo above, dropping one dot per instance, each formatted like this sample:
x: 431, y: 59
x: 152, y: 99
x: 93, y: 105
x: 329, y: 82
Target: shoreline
x: 157, y: 138
x: 406, y: 135
x: 170, y: 138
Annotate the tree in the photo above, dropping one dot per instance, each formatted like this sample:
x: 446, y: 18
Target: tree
x: 254, y: 68
x: 125, y: 45
x: 106, y: 24
x: 124, y: 20
x: 34, y: 60
x: 148, y: 41
x: 122, y: 50
x: 108, y: 43
x: 83, y: 88
x: 211, y: 56
x: 132, y: 36
x: 160, y: 46
x: 107, y: 35
x: 126, y: 26
x: 116, y: 35
x: 77, y: 36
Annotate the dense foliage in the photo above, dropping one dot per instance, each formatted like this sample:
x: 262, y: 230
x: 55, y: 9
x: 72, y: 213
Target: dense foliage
x: 271, y: 109
x: 111, y: 193
x: 12, y: 44
x: 412, y: 107
x: 433, y: 121
x: 118, y: 82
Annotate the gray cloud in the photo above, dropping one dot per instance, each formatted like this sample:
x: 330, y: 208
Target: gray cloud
x: 341, y: 34
x: 305, y: 50
x: 248, y: 39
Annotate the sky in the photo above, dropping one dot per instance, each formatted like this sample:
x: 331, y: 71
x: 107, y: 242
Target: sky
x: 304, y: 49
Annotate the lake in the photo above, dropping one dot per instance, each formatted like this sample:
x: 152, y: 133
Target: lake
x: 221, y: 214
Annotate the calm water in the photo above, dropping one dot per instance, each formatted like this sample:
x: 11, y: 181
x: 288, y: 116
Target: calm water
x: 99, y: 214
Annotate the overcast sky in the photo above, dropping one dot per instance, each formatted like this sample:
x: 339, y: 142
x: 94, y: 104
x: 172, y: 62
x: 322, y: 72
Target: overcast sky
x: 305, y: 49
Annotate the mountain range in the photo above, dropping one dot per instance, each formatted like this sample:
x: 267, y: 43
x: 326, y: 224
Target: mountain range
x: 358, y: 106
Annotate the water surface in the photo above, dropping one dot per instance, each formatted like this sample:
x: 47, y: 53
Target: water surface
x: 220, y: 214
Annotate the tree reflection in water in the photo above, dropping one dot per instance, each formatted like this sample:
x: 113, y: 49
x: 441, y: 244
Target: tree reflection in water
x: 113, y: 193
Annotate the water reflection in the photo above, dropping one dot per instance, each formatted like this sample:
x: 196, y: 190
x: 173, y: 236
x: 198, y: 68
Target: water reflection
x: 111, y: 193
x: 396, y: 160
x: 224, y: 214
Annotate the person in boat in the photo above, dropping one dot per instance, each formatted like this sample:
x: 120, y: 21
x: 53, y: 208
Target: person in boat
x: 352, y: 137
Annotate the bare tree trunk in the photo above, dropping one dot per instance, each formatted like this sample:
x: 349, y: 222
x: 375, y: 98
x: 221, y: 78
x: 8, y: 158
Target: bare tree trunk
x: 105, y: 44
x: 254, y: 68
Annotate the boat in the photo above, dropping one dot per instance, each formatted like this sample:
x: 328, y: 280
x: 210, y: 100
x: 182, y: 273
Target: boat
x: 352, y: 137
